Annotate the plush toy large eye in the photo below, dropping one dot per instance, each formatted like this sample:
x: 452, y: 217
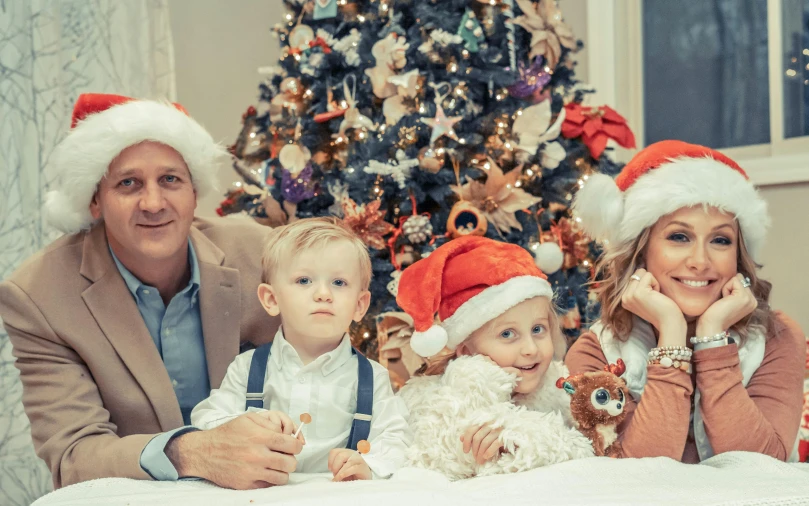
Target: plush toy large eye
x: 602, y: 396
x: 621, y: 395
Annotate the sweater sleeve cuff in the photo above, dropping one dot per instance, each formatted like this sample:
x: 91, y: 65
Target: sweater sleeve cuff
x: 722, y: 357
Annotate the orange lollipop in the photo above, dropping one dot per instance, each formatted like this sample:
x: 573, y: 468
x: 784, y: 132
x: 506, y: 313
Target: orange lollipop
x: 363, y: 446
x: 305, y: 419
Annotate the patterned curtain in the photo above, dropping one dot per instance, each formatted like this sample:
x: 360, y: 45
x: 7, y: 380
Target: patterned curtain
x: 50, y: 52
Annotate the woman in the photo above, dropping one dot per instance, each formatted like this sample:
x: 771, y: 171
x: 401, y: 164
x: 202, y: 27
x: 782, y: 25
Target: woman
x: 710, y: 366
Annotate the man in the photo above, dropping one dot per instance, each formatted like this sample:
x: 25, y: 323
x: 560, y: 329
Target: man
x: 122, y: 325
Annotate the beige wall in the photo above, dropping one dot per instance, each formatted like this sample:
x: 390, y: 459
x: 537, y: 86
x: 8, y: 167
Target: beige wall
x: 787, y: 249
x: 218, y: 47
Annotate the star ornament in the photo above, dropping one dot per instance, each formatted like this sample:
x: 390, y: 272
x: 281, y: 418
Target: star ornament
x: 442, y: 125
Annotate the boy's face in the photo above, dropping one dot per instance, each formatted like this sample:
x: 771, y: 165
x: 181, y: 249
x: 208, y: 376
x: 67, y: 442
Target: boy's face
x: 318, y: 293
x: 519, y: 341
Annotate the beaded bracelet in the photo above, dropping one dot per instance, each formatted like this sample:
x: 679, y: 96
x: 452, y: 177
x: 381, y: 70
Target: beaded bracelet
x: 710, y: 339
x: 674, y: 352
x: 683, y: 365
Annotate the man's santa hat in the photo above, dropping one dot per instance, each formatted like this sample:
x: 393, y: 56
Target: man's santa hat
x: 468, y: 281
x: 104, y: 125
x: 663, y: 178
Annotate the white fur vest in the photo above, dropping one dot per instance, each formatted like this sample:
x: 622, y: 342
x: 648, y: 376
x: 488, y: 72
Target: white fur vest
x: 536, y: 428
x: 635, y: 354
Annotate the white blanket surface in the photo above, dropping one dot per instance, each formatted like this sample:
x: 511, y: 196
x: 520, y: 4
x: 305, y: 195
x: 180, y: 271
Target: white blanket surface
x: 737, y: 478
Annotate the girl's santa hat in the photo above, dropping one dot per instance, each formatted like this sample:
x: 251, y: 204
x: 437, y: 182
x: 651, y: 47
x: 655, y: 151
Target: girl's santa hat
x: 468, y: 281
x: 663, y: 178
x: 104, y: 125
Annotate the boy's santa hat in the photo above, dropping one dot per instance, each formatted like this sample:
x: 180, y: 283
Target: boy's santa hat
x: 468, y: 281
x: 104, y: 125
x: 663, y: 178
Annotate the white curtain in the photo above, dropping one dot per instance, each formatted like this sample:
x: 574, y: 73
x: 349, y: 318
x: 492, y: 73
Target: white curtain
x: 50, y: 52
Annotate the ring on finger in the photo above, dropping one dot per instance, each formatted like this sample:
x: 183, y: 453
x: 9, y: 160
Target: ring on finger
x: 635, y: 277
x: 746, y: 282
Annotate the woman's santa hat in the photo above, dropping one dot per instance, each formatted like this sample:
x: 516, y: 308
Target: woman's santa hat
x: 468, y: 281
x: 663, y: 178
x: 104, y: 125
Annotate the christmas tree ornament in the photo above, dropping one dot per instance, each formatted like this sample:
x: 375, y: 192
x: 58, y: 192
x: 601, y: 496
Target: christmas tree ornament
x: 353, y: 117
x: 549, y: 33
x: 390, y: 55
x: 300, y: 37
x: 508, y: 12
x: 393, y: 332
x: 595, y: 126
x: 466, y: 219
x: 430, y: 159
x: 498, y: 198
x: 398, y: 169
x: 396, y: 107
x: 338, y: 191
x: 393, y: 284
x: 333, y: 110
x: 367, y: 221
x: 417, y: 228
x: 294, y: 158
x: 532, y: 80
x: 441, y: 124
x: 535, y: 127
x: 549, y: 257
x: 471, y: 32
x: 296, y: 189
x: 288, y: 101
x: 325, y: 9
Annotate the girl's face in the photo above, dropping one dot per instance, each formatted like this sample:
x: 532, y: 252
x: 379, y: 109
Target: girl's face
x: 692, y: 254
x: 519, y: 341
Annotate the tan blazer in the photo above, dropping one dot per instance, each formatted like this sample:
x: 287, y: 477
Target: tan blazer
x: 94, y: 385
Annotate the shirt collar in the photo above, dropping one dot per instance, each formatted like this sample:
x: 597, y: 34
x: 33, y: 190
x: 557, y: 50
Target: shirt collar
x: 285, y: 353
x: 134, y: 283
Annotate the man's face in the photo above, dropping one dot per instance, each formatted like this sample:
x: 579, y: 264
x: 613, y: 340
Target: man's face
x: 147, y: 202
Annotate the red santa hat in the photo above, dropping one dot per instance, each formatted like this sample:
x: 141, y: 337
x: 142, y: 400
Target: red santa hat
x: 468, y: 281
x: 104, y: 125
x: 663, y: 178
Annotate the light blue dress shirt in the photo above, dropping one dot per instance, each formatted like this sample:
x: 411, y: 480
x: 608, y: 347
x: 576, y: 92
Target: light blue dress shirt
x: 176, y: 330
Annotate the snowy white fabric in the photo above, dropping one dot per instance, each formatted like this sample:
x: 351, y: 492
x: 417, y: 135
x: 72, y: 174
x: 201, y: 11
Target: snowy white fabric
x: 326, y: 389
x: 635, y: 354
x: 536, y: 429
x: 738, y: 478
x: 84, y: 156
x: 606, y: 213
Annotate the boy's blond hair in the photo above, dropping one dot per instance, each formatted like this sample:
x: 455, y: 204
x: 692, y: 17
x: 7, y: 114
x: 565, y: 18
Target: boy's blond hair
x: 308, y: 233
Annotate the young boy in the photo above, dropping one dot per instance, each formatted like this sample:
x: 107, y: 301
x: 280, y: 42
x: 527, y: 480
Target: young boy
x: 316, y: 275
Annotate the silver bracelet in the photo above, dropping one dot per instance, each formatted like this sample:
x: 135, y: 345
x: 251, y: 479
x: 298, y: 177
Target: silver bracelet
x: 709, y: 339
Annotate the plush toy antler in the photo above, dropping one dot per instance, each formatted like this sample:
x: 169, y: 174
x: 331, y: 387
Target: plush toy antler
x: 617, y: 368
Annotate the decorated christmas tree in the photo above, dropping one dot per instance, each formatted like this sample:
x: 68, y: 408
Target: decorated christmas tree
x: 419, y: 121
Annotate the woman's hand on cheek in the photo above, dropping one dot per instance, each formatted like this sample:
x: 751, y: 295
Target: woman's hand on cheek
x: 736, y: 303
x: 643, y: 298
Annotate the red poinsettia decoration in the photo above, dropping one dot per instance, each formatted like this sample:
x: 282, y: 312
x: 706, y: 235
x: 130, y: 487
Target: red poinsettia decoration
x: 367, y: 221
x: 595, y: 125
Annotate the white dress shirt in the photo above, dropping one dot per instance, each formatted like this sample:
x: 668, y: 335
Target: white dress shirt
x: 326, y: 388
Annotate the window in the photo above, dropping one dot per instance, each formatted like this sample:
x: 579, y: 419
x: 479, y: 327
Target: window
x: 729, y: 74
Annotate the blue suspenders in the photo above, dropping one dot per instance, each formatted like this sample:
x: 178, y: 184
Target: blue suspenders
x: 360, y: 427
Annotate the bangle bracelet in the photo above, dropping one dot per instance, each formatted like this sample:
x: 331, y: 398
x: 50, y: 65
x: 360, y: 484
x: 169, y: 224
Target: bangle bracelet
x: 709, y: 339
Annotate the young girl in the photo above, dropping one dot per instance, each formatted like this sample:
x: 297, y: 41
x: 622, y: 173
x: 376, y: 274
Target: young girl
x: 488, y: 405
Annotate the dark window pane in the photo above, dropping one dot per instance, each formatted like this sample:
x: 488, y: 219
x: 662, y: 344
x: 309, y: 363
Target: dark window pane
x: 796, y: 67
x: 705, y: 72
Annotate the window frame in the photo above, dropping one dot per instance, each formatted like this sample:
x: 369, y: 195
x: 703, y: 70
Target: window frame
x: 615, y: 69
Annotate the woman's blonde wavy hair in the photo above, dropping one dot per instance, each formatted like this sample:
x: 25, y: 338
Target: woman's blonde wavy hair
x: 617, y: 266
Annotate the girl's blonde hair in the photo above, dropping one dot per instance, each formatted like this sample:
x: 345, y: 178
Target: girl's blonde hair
x: 619, y: 264
x: 437, y: 364
x: 284, y: 242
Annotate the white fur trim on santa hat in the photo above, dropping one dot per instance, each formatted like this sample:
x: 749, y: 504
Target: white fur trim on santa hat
x: 491, y: 303
x: 84, y: 156
x: 687, y: 182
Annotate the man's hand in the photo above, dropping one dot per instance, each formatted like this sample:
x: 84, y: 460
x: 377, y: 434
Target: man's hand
x: 245, y: 453
x: 348, y: 465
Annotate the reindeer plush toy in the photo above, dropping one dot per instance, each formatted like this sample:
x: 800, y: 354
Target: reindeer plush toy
x: 597, y: 402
